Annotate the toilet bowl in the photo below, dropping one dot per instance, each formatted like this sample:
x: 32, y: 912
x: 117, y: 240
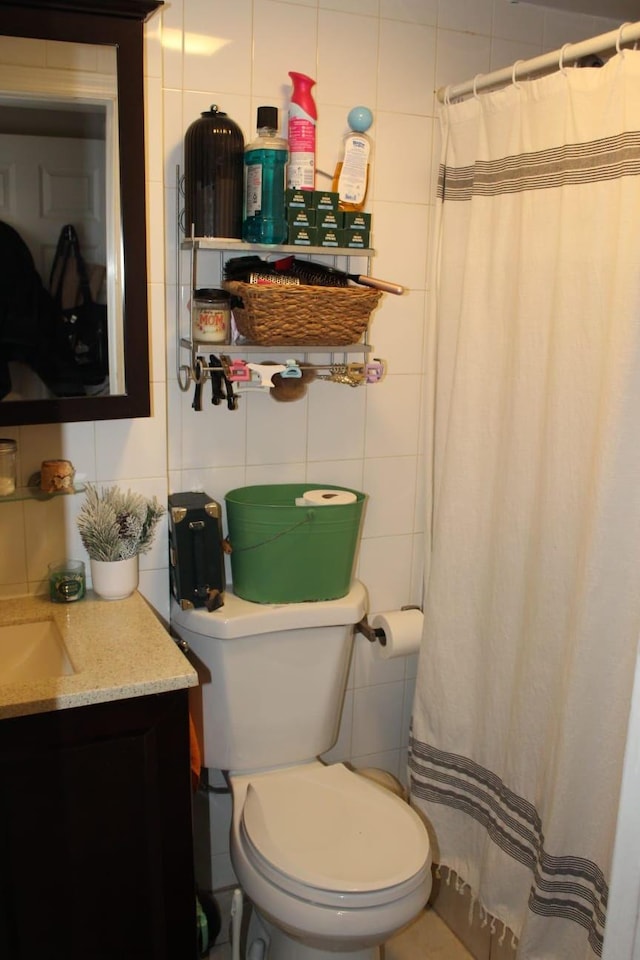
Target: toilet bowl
x: 331, y: 860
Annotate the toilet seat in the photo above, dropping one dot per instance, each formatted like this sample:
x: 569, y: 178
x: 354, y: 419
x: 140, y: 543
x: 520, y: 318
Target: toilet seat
x: 323, y: 834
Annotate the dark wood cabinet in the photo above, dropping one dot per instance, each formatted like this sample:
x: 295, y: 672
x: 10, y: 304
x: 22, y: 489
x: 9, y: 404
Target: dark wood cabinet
x: 96, y: 856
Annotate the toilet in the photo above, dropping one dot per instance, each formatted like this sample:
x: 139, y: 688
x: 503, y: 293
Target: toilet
x: 333, y: 862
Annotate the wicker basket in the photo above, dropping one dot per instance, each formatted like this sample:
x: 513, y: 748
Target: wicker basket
x: 301, y: 314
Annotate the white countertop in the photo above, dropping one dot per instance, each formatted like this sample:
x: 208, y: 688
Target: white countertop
x: 119, y: 649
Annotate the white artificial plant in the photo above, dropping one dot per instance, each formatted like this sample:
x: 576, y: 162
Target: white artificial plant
x: 115, y: 525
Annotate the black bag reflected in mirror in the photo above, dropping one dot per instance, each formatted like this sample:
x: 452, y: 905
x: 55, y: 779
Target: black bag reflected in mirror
x: 30, y: 324
x: 81, y: 322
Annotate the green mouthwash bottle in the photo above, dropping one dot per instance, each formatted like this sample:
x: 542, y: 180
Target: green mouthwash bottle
x: 265, y: 161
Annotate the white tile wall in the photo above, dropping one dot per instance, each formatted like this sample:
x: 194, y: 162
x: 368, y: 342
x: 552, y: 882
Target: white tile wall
x: 391, y: 55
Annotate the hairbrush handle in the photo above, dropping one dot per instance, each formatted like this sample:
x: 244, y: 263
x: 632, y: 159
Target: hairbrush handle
x: 385, y: 285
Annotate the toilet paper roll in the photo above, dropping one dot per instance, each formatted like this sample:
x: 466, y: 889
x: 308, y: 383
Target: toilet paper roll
x: 324, y: 498
x: 402, y: 631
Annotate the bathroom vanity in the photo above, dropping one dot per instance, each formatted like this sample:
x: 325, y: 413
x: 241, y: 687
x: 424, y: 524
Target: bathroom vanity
x: 95, y: 790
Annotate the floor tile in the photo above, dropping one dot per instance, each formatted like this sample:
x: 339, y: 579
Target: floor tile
x: 428, y: 938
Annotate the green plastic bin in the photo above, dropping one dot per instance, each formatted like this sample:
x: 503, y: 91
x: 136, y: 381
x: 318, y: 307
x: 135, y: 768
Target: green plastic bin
x: 283, y: 553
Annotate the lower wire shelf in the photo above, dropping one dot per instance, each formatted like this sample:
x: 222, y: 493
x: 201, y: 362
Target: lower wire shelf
x: 307, y: 349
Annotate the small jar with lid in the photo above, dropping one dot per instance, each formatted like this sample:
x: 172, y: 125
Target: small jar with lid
x: 211, y: 316
x: 8, y: 451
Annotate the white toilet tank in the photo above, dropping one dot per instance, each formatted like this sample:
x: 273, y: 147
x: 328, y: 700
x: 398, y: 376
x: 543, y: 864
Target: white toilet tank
x: 272, y: 677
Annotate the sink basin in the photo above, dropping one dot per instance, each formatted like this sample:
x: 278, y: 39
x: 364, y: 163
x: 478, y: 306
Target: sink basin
x: 32, y: 651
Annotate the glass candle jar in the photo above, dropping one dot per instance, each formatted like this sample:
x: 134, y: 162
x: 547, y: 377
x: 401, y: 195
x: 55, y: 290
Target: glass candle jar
x: 211, y: 316
x: 8, y: 450
x: 67, y: 581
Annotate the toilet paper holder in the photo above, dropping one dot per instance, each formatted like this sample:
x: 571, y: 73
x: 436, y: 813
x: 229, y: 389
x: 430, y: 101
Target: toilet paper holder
x: 377, y: 634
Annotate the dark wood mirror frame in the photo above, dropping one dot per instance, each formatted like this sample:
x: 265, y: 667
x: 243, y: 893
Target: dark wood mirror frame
x: 117, y: 23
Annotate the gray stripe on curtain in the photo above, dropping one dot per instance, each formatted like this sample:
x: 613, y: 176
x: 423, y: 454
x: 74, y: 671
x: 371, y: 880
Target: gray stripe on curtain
x: 571, y: 888
x: 605, y: 159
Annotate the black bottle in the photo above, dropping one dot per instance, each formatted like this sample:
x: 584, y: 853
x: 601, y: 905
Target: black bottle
x: 214, y: 176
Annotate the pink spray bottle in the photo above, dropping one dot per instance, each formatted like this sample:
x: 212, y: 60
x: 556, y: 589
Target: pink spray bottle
x: 303, y: 114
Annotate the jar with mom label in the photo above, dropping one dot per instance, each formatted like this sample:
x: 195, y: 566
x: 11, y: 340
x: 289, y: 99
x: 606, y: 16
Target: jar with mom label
x: 211, y: 316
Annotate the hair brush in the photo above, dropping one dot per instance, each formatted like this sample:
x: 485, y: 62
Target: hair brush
x: 252, y: 269
x: 240, y: 268
x: 321, y: 275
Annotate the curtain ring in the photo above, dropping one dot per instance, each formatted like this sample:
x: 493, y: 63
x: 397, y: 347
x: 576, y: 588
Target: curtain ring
x: 515, y: 82
x: 619, y: 37
x: 475, y: 80
x: 561, y: 66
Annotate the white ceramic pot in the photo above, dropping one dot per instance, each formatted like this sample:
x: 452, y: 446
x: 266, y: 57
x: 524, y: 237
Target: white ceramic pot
x: 115, y: 579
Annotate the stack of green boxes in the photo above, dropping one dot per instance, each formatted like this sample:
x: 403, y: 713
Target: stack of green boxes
x: 315, y: 220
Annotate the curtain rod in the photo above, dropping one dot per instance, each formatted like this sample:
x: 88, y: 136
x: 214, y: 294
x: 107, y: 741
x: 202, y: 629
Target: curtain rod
x: 569, y: 52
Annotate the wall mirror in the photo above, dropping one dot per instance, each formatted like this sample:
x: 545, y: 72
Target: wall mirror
x: 72, y: 166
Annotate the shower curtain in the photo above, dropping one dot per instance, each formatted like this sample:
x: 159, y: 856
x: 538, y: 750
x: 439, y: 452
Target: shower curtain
x: 532, y: 585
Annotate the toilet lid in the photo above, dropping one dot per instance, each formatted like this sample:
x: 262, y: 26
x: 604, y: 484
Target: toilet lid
x: 328, y: 828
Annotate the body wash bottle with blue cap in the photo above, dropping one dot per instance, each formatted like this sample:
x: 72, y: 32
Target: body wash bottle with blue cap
x: 351, y: 176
